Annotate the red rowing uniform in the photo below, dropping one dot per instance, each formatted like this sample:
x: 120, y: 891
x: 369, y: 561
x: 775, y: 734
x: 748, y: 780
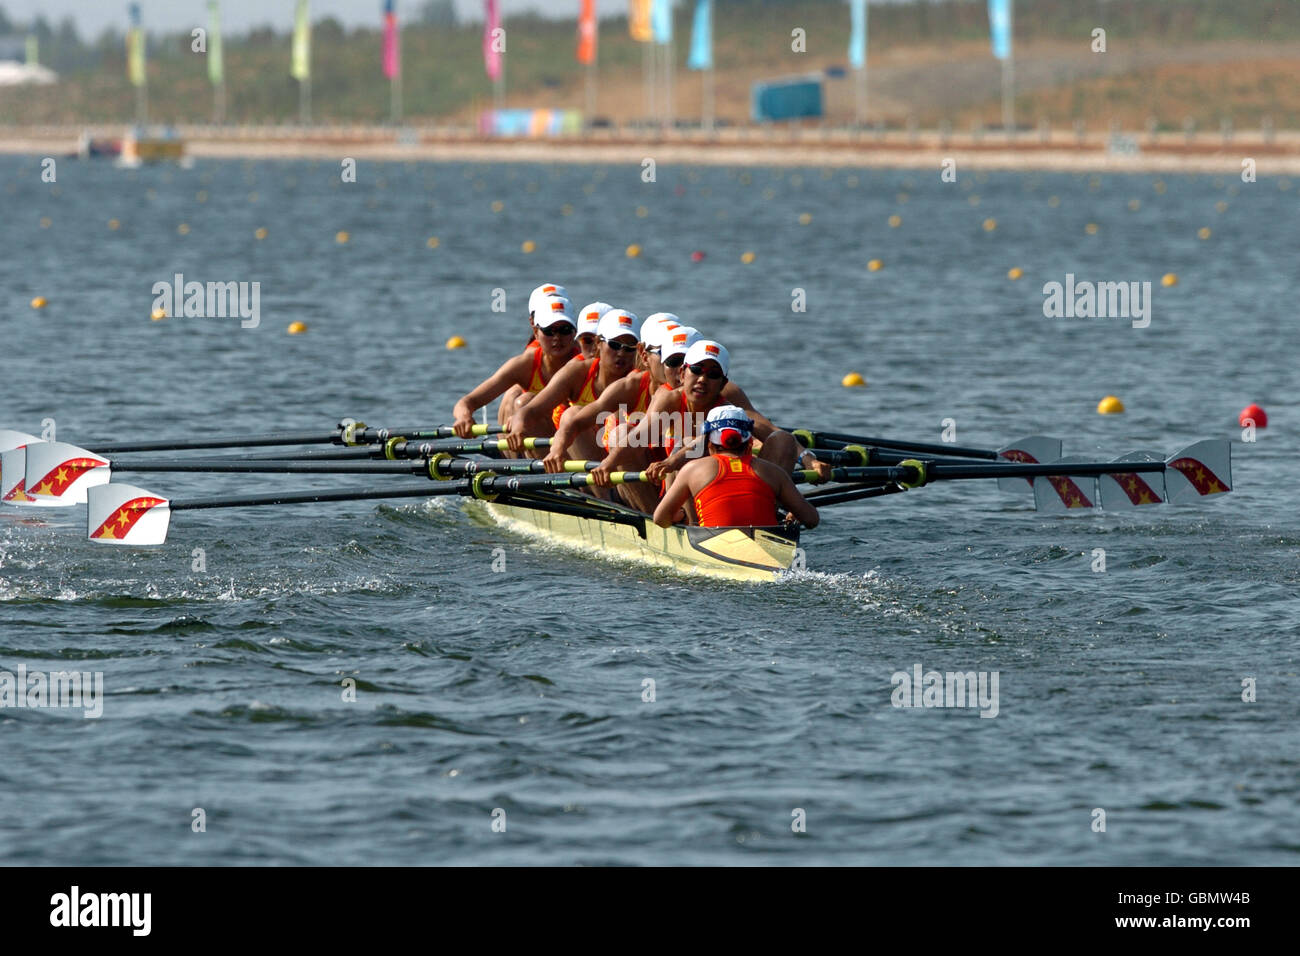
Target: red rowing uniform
x: 736, y: 497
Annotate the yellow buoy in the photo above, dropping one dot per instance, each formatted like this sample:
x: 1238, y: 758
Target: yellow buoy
x: 158, y: 315
x: 1159, y: 187
x: 46, y: 222
x: 497, y: 205
x: 1110, y: 405
x: 1168, y: 279
x: 201, y: 195
x: 973, y: 200
x: 1090, y: 228
x: 805, y: 218
x: 875, y: 265
x: 297, y: 328
x: 990, y: 224
x: 747, y: 258
x: 39, y: 302
x: 633, y: 251
x: 433, y: 242
x: 1053, y: 201
x: 566, y: 209
x: 1134, y: 204
x: 260, y: 233
x: 528, y: 246
x: 1203, y: 232
x: 455, y: 342
x: 183, y: 229
x: 342, y: 236
x: 114, y: 224
x: 1220, y: 206
x: 1015, y: 272
x: 895, y: 221
x: 853, y: 380
x: 642, y: 212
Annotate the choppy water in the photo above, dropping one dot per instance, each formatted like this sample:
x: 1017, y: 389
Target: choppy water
x: 523, y: 690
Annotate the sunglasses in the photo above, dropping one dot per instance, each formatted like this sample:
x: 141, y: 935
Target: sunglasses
x: 562, y: 329
x: 617, y: 347
x: 699, y: 369
x: 653, y: 350
x: 675, y: 361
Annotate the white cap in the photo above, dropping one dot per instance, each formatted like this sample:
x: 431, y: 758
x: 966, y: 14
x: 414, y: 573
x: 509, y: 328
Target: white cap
x: 589, y: 317
x: 541, y: 292
x: 705, y: 349
x: 679, y: 341
x: 552, y: 310
x: 616, y: 323
x: 651, y: 326
x: 727, y: 418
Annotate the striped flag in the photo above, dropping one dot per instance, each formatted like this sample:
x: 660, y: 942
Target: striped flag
x: 638, y: 20
x: 1000, y: 28
x: 33, y: 50
x: 135, y: 48
x: 587, y: 31
x: 701, y: 57
x: 301, y: 66
x: 661, y: 19
x: 216, y: 65
x: 857, y: 33
x: 491, y: 55
x: 392, y: 42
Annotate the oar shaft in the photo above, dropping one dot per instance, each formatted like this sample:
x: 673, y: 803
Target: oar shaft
x: 278, y: 467
x: 943, y: 470
x: 307, y: 497
x: 225, y: 441
x: 837, y: 439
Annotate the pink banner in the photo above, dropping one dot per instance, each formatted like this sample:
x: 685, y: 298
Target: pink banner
x: 392, y: 47
x: 493, y: 40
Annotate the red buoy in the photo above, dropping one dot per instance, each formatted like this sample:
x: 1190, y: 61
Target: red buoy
x: 1255, y: 414
x: 697, y: 256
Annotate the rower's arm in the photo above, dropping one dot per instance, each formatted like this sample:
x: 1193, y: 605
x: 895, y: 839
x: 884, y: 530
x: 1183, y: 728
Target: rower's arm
x: 672, y: 506
x: 510, y: 373
x: 791, y: 500
x: 586, y: 416
x: 734, y: 394
x: 535, y: 412
x: 638, y: 436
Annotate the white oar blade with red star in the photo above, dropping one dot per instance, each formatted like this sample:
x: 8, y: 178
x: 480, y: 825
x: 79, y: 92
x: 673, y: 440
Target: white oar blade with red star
x: 124, y: 514
x: 1199, y: 470
x: 61, y: 472
x: 1132, y: 489
x: 1034, y: 450
x: 1063, y: 493
x: 13, y: 481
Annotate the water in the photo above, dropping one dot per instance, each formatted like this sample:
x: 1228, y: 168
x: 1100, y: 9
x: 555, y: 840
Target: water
x: 523, y: 691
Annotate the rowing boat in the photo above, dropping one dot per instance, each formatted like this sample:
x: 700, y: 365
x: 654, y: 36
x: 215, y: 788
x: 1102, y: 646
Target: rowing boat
x: 735, y: 554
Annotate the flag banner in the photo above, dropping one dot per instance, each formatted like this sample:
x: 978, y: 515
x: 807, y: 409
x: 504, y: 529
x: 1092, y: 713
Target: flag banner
x: 661, y: 20
x: 216, y: 66
x: 301, y: 67
x: 701, y: 57
x: 857, y: 33
x: 638, y: 20
x: 587, y: 30
x: 1000, y: 28
x: 392, y: 42
x: 491, y: 48
x: 33, y: 50
x: 135, y: 48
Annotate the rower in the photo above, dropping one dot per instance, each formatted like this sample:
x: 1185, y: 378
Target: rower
x: 588, y: 320
x: 582, y: 382
x: 654, y: 333
x: 543, y: 291
x: 673, y: 354
x: 528, y: 373
x: 672, y: 422
x: 731, y: 488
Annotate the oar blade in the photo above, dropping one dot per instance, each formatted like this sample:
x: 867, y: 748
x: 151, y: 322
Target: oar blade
x: 1199, y: 470
x: 13, y: 481
x: 60, y: 473
x: 1063, y: 493
x: 1132, y: 489
x: 1035, y: 449
x: 10, y: 440
x: 125, y: 514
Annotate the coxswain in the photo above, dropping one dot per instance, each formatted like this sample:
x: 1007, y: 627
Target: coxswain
x: 731, y: 488
x: 528, y: 373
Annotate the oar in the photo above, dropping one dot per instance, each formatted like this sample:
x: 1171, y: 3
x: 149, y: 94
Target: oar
x: 126, y: 514
x: 348, y: 432
x: 1033, y: 449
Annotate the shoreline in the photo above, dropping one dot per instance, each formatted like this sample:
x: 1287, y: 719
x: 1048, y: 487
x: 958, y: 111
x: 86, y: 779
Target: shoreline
x: 1277, y: 155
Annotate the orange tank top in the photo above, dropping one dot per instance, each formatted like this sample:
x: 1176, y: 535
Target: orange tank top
x: 587, y: 394
x: 736, y: 497
x: 537, y: 381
